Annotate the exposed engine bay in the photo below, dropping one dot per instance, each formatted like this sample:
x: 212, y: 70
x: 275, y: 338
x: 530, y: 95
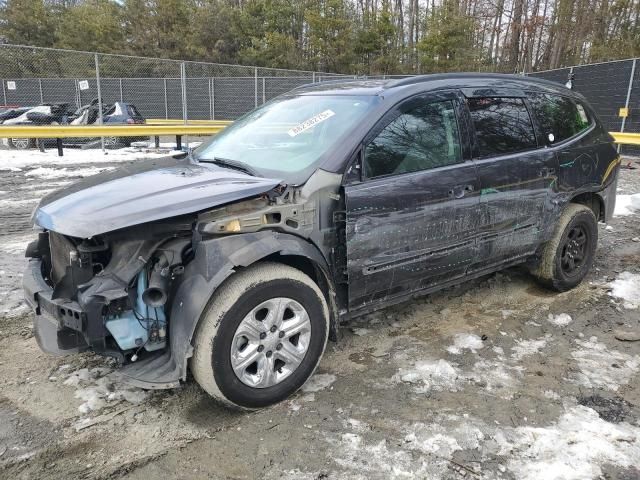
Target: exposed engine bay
x: 90, y: 289
x: 136, y: 293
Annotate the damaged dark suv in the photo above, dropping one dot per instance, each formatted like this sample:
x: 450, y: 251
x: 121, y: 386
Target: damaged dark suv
x: 331, y: 201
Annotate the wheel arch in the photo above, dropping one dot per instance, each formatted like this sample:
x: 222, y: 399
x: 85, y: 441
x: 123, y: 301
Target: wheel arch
x: 594, y: 201
x: 218, y: 259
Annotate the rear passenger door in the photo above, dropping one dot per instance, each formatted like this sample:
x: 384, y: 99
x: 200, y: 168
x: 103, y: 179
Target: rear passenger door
x: 516, y: 178
x: 563, y: 123
x: 412, y: 217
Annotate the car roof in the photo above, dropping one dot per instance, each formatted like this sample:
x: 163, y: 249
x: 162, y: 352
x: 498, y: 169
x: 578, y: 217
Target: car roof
x: 437, y: 81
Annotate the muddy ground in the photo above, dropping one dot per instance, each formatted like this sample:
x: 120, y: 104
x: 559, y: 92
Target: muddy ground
x: 497, y: 378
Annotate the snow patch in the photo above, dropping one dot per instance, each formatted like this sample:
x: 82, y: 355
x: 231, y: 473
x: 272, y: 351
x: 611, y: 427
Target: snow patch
x: 318, y: 382
x: 572, y: 449
x: 561, y: 320
x: 627, y: 288
x: 627, y: 205
x: 98, y: 390
x: 427, y: 375
x: 525, y: 348
x: 16, y: 246
x: 15, y: 160
x: 494, y: 376
x: 551, y: 395
x: 603, y: 368
x: 45, y: 172
x: 361, y: 332
x: 465, y: 341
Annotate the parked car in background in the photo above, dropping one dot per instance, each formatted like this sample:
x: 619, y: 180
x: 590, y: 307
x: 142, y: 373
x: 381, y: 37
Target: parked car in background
x: 119, y: 113
x: 7, y: 112
x: 322, y: 205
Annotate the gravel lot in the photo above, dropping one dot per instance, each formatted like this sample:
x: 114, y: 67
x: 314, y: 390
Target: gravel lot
x: 494, y: 379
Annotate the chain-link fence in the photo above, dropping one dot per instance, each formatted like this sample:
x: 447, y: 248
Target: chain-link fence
x: 84, y: 88
x: 156, y: 88
x: 608, y: 87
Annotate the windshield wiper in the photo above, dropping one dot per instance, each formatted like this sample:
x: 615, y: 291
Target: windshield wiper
x: 234, y: 164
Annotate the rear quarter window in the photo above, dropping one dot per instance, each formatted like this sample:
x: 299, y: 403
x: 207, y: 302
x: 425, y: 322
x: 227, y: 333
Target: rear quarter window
x: 502, y: 126
x: 560, y: 118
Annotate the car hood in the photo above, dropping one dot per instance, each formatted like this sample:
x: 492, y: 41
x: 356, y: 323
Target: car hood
x: 146, y: 191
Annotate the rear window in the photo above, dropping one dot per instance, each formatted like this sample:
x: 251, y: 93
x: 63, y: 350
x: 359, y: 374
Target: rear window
x: 502, y: 126
x: 559, y: 117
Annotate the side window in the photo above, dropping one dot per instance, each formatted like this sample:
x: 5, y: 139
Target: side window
x: 502, y: 125
x: 559, y: 117
x: 423, y: 136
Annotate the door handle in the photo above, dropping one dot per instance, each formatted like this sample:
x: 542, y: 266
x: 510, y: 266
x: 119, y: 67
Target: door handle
x: 459, y: 191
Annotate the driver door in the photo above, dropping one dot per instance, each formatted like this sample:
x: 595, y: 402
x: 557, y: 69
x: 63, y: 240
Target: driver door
x: 412, y: 220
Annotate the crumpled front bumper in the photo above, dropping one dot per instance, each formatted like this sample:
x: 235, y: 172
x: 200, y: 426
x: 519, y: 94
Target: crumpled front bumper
x: 58, y: 323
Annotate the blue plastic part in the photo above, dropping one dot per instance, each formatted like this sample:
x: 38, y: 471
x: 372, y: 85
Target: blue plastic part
x: 129, y: 332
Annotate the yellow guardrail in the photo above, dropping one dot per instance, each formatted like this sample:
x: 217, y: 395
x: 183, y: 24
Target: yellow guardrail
x: 625, y: 138
x: 173, y: 121
x: 170, y: 127
x: 82, y: 131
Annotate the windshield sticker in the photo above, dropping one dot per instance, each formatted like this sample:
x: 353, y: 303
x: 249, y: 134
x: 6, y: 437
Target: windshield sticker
x: 313, y: 121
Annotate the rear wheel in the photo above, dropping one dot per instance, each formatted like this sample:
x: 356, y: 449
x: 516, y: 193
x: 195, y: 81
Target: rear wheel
x: 261, y: 337
x: 567, y: 257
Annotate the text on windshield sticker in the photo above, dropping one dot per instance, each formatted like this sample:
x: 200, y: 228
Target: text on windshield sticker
x: 307, y: 124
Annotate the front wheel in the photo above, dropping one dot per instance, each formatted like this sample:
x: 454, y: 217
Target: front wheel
x: 261, y: 337
x: 567, y: 257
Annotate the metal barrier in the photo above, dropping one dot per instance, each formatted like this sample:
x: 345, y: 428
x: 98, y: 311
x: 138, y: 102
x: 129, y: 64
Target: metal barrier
x: 164, y: 127
x: 95, y: 131
x: 177, y: 121
x: 625, y: 138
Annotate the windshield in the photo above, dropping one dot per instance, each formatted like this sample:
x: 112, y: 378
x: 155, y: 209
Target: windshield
x: 287, y: 137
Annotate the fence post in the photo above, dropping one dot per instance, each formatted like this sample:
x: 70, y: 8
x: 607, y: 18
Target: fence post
x: 166, y: 105
x: 210, y: 99
x: 100, y: 119
x: 4, y: 91
x: 78, y: 99
x: 626, y: 102
x: 185, y: 114
x: 213, y: 98
x: 255, y: 76
x: 183, y: 82
x: 264, y: 94
x: 40, y: 87
x: 313, y: 77
x: 121, y: 96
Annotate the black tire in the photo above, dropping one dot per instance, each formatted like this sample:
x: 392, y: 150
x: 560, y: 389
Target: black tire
x: 565, y: 259
x: 21, y: 143
x: 243, y: 292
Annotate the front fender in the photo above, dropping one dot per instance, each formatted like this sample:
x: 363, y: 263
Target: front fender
x: 214, y: 261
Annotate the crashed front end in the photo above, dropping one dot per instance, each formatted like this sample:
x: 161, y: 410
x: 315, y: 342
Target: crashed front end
x: 110, y: 294
x: 126, y: 262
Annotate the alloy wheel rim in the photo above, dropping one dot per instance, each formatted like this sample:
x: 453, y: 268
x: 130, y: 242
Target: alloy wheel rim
x: 270, y: 342
x: 574, y: 250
